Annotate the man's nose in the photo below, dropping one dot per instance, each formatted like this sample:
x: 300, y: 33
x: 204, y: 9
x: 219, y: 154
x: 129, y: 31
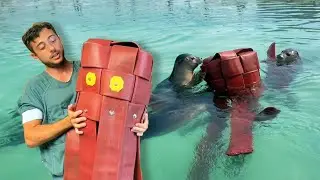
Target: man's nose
x: 51, y: 47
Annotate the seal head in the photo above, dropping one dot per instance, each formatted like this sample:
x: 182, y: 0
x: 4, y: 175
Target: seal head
x: 287, y: 57
x: 183, y: 74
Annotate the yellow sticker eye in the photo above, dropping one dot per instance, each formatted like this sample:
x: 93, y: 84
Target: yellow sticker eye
x: 116, y: 83
x: 91, y: 79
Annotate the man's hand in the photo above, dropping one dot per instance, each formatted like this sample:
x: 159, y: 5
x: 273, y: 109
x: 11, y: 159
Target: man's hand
x: 77, y: 122
x: 140, y: 128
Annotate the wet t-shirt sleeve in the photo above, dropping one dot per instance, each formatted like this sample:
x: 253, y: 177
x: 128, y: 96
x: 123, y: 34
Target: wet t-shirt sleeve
x: 30, y: 105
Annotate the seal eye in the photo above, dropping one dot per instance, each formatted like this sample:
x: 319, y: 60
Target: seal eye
x: 288, y: 54
x: 192, y: 59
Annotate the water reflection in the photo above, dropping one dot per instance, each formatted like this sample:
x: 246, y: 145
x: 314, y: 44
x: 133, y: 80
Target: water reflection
x: 117, y: 7
x: 188, y: 3
x: 170, y: 5
x: 77, y: 5
x: 300, y: 15
x: 52, y: 4
x: 206, y: 9
x: 7, y: 6
x: 296, y: 2
x: 36, y: 3
x: 241, y: 6
x: 133, y: 9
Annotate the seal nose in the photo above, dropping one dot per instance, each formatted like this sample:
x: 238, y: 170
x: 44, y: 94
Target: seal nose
x: 280, y: 56
x: 198, y: 60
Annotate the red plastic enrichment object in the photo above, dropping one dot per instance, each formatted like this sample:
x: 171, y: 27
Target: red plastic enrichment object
x: 235, y: 74
x: 232, y: 72
x: 241, y: 140
x: 114, y: 88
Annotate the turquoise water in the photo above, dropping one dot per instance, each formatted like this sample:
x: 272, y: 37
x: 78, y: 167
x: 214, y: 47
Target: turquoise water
x: 285, y: 148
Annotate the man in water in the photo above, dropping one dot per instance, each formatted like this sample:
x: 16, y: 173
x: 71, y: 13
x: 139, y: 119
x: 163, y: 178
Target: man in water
x: 46, y: 104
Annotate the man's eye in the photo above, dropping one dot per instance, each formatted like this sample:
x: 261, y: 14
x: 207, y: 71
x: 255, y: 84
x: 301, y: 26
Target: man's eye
x: 52, y: 39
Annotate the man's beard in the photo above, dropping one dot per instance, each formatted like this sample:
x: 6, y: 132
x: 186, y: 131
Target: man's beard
x: 53, y: 65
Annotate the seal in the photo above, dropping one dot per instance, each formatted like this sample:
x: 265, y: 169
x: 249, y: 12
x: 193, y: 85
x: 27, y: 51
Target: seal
x: 282, y: 68
x: 175, y: 100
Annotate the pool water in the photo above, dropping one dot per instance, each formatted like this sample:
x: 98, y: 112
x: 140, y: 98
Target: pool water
x: 284, y: 148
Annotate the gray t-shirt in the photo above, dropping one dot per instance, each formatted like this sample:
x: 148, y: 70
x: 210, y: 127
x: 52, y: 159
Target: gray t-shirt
x: 47, y: 99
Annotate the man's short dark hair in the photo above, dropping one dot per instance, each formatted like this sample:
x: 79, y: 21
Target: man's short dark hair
x: 34, y: 31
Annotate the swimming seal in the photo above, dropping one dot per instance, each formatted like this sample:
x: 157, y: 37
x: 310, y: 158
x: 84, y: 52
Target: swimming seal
x: 286, y: 57
x: 282, y: 68
x: 174, y: 100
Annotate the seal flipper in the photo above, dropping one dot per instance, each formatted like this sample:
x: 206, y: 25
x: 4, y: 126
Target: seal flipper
x: 271, y: 53
x: 267, y: 114
x: 197, y: 78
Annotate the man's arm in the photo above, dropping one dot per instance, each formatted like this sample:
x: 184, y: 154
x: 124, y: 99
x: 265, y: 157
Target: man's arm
x: 36, y: 134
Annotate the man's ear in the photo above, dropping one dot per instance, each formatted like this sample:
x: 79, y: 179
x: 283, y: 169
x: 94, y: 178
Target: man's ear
x: 33, y: 55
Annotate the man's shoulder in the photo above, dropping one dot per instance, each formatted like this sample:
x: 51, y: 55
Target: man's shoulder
x: 32, y: 93
x: 36, y: 83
